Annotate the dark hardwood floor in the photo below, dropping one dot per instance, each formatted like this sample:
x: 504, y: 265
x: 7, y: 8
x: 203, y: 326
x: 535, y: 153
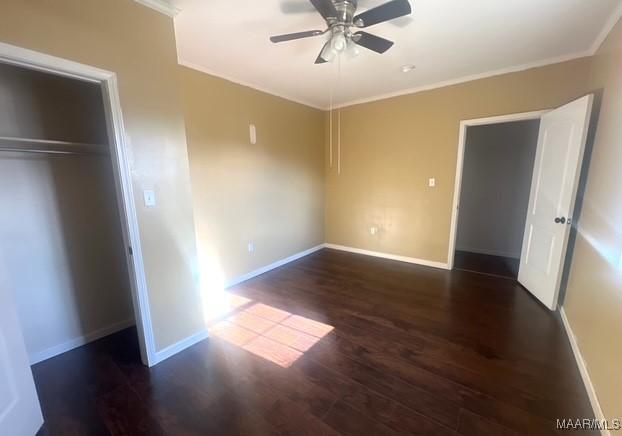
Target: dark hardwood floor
x: 375, y: 347
x: 487, y: 264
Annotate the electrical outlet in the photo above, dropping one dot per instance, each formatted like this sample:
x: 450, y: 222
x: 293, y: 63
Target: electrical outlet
x: 251, y: 247
x: 373, y: 230
x: 432, y: 182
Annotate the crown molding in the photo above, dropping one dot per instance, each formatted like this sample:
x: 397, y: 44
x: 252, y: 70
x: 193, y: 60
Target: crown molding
x: 162, y: 6
x: 228, y: 78
x: 600, y: 38
x: 606, y: 30
x: 464, y: 79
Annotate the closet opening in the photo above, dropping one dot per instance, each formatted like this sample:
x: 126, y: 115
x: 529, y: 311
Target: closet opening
x: 63, y: 242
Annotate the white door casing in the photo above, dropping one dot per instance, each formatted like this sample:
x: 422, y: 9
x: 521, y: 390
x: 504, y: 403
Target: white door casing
x: 20, y: 414
x: 557, y: 169
x: 122, y: 172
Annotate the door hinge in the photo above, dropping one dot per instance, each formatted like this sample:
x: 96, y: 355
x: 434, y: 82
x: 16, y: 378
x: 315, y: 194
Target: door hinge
x: 129, y: 249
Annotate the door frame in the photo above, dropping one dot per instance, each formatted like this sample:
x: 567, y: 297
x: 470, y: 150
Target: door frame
x: 119, y: 153
x: 464, y: 125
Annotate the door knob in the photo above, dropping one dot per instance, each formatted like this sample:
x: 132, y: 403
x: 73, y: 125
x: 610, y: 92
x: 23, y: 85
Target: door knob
x: 561, y: 220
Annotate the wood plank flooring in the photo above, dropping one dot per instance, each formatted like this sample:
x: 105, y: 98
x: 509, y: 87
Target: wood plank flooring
x: 376, y: 347
x: 487, y: 264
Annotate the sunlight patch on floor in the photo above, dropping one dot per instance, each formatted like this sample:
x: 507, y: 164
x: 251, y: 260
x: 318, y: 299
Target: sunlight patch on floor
x: 273, y: 334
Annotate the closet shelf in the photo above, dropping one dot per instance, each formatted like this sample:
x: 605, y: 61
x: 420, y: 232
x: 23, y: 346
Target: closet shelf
x: 49, y: 146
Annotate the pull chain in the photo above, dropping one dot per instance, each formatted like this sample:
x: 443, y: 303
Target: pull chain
x: 338, y: 118
x: 338, y: 141
x: 330, y: 126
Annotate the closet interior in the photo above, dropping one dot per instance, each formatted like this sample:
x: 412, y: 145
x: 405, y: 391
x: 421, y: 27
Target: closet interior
x: 61, y: 243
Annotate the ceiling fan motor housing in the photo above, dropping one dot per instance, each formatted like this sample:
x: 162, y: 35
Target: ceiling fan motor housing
x: 345, y: 10
x: 340, y: 25
x: 341, y: 17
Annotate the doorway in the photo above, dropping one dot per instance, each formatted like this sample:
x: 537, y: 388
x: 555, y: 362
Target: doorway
x: 496, y: 180
x: 110, y: 133
x: 64, y: 157
x: 557, y: 169
x: 60, y: 230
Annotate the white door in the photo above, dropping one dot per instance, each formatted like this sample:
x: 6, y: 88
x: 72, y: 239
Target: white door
x: 561, y: 143
x: 20, y: 414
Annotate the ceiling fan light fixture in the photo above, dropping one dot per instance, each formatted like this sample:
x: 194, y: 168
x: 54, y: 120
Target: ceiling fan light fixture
x: 328, y: 53
x: 339, y: 42
x: 340, y: 17
x: 353, y: 50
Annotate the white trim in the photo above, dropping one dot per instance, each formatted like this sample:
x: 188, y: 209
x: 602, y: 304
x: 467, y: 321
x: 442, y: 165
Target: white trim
x: 48, y: 353
x: 460, y: 161
x: 585, y: 375
x: 272, y: 266
x: 21, y: 57
x: 600, y: 38
x: 602, y: 35
x: 247, y: 84
x: 121, y: 167
x: 470, y: 78
x: 611, y: 22
x: 180, y: 346
x: 489, y: 252
x: 162, y: 6
x: 131, y: 230
x: 398, y: 93
x: 204, y: 334
x: 397, y: 257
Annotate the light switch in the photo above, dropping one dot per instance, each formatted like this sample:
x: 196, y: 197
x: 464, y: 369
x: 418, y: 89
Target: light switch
x: 432, y: 183
x: 149, y: 195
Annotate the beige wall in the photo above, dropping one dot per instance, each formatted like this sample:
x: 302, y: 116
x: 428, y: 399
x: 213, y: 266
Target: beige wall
x: 391, y: 147
x: 270, y: 193
x: 593, y: 301
x: 139, y: 45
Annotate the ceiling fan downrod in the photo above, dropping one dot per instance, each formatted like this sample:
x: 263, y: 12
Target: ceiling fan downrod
x: 341, y: 19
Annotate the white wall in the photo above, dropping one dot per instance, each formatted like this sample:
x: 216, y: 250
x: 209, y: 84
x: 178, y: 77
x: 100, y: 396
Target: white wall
x: 60, y: 237
x: 496, y: 180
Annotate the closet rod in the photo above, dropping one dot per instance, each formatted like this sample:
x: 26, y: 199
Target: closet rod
x: 49, y: 147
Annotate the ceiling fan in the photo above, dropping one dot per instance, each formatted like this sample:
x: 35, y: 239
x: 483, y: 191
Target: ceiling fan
x: 341, y: 19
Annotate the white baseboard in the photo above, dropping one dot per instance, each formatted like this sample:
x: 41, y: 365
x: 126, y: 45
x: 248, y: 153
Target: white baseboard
x: 199, y: 336
x: 414, y: 260
x: 204, y: 334
x: 79, y: 341
x: 585, y: 375
x: 278, y: 263
x: 490, y: 252
x: 175, y: 348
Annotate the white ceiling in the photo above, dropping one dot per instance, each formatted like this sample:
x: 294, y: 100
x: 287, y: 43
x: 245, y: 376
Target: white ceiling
x: 448, y: 41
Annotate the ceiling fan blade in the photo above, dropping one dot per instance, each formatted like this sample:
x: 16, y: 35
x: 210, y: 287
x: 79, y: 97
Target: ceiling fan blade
x: 372, y: 42
x: 385, y: 12
x: 296, y: 6
x: 320, y: 59
x: 326, y: 8
x: 297, y: 35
